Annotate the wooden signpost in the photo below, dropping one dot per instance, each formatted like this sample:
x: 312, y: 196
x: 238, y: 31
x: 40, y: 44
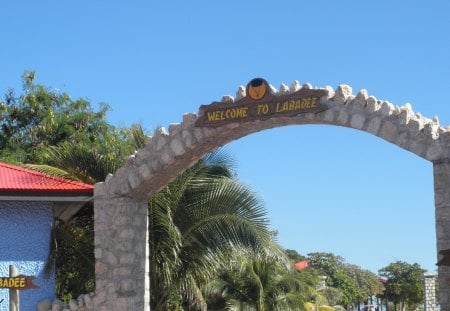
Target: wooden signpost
x: 15, y: 282
x: 260, y: 104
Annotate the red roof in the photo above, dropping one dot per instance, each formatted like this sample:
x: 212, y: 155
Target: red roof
x: 14, y: 179
x: 301, y: 265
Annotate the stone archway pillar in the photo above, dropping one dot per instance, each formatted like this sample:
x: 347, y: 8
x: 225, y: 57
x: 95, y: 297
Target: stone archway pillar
x: 121, y: 252
x: 441, y: 171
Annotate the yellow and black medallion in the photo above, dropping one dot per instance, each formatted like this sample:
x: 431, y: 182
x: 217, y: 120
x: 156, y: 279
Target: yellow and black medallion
x: 257, y: 89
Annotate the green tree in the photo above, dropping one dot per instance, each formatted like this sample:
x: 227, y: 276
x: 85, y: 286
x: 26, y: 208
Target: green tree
x: 404, y: 285
x: 332, y: 267
x: 197, y: 223
x: 258, y: 284
x: 356, y: 284
x: 42, y: 117
x: 368, y: 283
x: 294, y: 255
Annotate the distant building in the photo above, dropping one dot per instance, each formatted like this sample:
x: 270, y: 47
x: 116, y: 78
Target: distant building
x: 29, y: 203
x: 301, y: 265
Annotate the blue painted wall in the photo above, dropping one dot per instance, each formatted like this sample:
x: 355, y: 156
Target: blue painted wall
x: 25, y: 229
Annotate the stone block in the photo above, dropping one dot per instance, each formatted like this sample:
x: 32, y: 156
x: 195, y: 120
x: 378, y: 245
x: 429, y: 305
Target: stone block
x: 73, y: 305
x: 386, y: 109
x: 295, y: 86
x: 360, y: 101
x: 227, y: 99
x: 99, y: 188
x: 187, y: 138
x: 127, y: 287
x: 145, y: 171
x: 110, y: 257
x: 198, y: 133
x: 98, y: 253
x: 127, y: 258
x: 101, y: 268
x: 432, y: 130
x: 388, y: 131
x: 80, y: 300
x: 122, y: 304
x: 284, y: 89
x: 404, y: 117
x: 121, y: 220
x: 417, y: 147
x: 374, y: 126
x: 434, y: 152
x: 343, y: 91
x: 357, y: 121
x: 98, y: 299
x: 127, y: 233
x: 372, y: 105
x: 310, y: 116
x: 403, y: 140
x: 88, y: 302
x: 177, y: 147
x: 160, y: 142
x: 415, y: 125
x: 189, y: 119
x: 57, y: 305
x: 241, y: 92
x: 342, y: 117
x: 44, y: 305
x: 124, y: 246
x: 174, y: 128
x: 328, y: 115
x: 307, y: 86
x: 134, y: 180
x: 167, y: 158
x: 121, y: 272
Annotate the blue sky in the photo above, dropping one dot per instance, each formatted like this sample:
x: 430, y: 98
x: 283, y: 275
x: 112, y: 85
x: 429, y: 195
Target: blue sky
x: 325, y: 188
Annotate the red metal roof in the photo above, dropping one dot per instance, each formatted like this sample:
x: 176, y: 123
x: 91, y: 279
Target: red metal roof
x: 14, y: 179
x: 302, y: 265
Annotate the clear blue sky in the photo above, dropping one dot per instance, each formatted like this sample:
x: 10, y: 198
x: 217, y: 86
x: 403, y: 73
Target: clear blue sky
x: 325, y: 188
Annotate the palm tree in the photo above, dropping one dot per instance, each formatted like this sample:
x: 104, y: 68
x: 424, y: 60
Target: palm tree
x: 196, y: 225
x: 258, y: 284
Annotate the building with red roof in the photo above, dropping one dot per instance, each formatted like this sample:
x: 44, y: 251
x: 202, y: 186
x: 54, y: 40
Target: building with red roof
x: 30, y: 202
x: 301, y: 265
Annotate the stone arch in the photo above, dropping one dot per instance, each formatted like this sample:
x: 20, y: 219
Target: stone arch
x: 120, y: 202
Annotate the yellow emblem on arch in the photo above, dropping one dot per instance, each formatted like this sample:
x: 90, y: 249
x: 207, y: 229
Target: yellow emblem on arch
x: 257, y: 88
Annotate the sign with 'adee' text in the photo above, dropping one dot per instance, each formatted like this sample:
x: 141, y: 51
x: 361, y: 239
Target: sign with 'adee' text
x: 20, y: 282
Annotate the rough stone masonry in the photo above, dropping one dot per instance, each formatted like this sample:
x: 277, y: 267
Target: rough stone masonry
x: 120, y: 203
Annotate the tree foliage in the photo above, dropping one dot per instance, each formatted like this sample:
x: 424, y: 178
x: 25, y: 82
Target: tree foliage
x: 43, y: 117
x: 198, y: 223
x: 404, y: 284
x: 258, y: 284
x: 355, y: 284
x: 294, y: 255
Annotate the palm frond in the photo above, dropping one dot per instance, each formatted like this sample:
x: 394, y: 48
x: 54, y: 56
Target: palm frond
x: 138, y: 136
x: 82, y: 162
x: 51, y: 170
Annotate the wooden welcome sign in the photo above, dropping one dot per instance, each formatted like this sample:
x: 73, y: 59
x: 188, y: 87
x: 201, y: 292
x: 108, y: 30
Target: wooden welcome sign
x: 260, y: 104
